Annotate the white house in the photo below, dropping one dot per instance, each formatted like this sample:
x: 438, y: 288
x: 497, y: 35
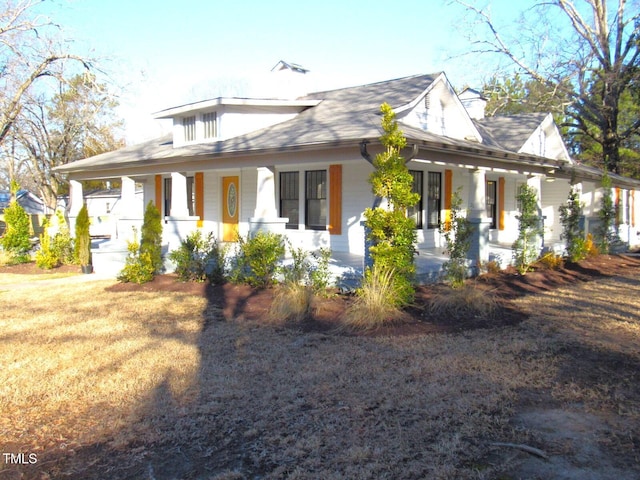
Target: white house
x: 300, y: 166
x: 107, y: 210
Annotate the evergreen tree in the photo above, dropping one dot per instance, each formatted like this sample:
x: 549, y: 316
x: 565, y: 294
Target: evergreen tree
x: 525, y: 248
x: 83, y: 239
x: 391, y: 232
x: 16, y: 238
x: 151, y: 237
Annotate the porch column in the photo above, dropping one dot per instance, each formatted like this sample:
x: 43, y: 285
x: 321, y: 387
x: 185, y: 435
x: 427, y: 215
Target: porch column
x: 76, y: 198
x: 179, y: 201
x: 479, y: 251
x: 265, y: 216
x: 128, y: 191
x: 266, y: 194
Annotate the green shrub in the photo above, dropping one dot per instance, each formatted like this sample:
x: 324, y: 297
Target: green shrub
x: 304, y: 271
x: 526, y: 247
x: 391, y: 232
x: 83, y: 240
x: 257, y: 260
x: 199, y: 258
x: 319, y: 276
x: 46, y: 258
x: 570, y: 214
x: 607, y: 214
x: 552, y: 261
x: 62, y: 244
x: 17, y: 236
x: 138, y: 266
x: 457, y: 236
x: 151, y: 236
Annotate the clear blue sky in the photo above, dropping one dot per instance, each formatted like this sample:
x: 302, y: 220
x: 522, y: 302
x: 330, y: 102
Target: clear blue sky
x: 165, y: 53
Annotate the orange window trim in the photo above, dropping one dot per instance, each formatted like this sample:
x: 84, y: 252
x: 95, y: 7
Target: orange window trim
x: 501, y: 203
x: 159, y: 193
x: 448, y: 194
x: 199, y: 187
x: 335, y: 199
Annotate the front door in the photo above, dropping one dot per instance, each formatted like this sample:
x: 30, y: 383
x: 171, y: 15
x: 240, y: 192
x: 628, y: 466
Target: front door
x: 230, y: 208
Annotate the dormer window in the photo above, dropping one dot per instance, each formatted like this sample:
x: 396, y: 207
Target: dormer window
x: 210, y: 123
x: 189, y: 126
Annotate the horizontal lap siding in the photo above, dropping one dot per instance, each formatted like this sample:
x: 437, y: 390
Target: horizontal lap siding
x: 554, y: 194
x: 356, y: 197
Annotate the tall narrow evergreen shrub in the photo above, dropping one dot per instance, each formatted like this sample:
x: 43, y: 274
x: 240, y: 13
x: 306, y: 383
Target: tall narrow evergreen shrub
x: 83, y: 239
x: 151, y: 236
x: 16, y: 238
x: 526, y: 247
x: 607, y: 214
x: 391, y: 232
x: 572, y: 233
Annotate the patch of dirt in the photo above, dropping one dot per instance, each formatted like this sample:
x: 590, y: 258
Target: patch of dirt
x: 242, y: 302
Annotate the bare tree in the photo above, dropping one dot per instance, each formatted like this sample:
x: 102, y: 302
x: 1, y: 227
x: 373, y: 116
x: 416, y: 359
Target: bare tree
x: 590, y: 53
x: 78, y: 122
x: 29, y: 53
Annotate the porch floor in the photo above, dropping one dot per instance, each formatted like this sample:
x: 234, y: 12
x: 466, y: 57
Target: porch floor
x: 348, y: 268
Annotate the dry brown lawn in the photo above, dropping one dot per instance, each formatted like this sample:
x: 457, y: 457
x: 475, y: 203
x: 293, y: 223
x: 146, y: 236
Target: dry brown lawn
x: 101, y: 384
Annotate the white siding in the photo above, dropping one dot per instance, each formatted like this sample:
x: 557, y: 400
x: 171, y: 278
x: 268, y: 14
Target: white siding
x: 554, y: 194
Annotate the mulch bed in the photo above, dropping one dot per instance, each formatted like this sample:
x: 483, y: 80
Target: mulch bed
x: 244, y: 303
x: 247, y: 304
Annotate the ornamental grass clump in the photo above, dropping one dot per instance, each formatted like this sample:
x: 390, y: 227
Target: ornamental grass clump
x: 467, y: 304
x: 378, y: 301
x: 292, y: 303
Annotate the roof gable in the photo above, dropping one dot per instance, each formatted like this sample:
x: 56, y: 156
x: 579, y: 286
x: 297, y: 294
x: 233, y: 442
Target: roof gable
x: 532, y: 133
x: 438, y: 110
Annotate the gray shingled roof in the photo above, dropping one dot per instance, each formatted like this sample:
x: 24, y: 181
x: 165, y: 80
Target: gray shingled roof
x: 509, y: 131
x: 344, y: 115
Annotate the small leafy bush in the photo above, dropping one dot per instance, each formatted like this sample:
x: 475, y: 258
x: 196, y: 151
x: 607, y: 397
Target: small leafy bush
x: 591, y: 247
x: 552, y: 261
x: 457, y: 236
x: 62, y: 244
x: 199, y: 258
x: 138, y: 266
x: 305, y: 271
x: 378, y: 301
x: 257, y: 260
x: 319, y: 277
x: 46, y: 257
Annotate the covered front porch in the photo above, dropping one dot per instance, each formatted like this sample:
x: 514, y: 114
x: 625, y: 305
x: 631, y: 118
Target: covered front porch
x: 347, y: 268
